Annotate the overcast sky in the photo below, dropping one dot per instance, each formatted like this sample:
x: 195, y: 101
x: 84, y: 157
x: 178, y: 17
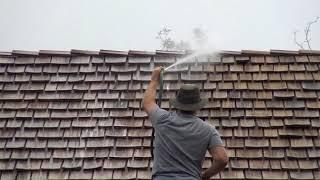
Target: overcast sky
x: 133, y: 24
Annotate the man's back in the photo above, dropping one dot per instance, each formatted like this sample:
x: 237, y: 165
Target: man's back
x: 182, y: 140
x: 180, y: 144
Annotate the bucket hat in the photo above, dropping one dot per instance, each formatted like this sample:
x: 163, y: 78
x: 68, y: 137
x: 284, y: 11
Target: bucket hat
x: 188, y: 98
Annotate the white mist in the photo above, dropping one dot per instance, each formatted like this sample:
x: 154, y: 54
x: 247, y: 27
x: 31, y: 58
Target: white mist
x: 208, y: 51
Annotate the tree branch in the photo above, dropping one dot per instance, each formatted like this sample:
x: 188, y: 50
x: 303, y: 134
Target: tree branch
x: 307, y: 34
x: 167, y: 43
x: 307, y: 31
x: 295, y: 40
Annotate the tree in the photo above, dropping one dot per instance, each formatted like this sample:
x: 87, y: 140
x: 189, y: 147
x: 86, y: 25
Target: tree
x: 183, y: 45
x: 200, y: 37
x: 307, y: 34
x: 167, y: 43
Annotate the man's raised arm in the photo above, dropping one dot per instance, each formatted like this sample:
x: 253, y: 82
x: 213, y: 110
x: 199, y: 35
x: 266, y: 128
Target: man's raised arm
x: 149, y: 100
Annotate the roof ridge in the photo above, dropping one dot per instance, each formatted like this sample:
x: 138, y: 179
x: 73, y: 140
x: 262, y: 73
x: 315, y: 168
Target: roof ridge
x: 156, y: 52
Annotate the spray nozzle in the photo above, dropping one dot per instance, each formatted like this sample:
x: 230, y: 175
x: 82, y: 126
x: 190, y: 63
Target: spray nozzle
x: 162, y: 70
x: 161, y: 75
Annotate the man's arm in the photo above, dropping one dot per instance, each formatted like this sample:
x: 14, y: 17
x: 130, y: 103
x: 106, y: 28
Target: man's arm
x: 220, y: 161
x: 149, y: 101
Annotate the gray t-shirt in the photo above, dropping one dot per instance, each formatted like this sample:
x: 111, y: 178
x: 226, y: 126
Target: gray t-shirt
x: 180, y: 144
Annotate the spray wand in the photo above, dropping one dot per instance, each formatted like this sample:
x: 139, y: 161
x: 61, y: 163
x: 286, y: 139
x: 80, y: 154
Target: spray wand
x: 159, y: 104
x: 160, y: 87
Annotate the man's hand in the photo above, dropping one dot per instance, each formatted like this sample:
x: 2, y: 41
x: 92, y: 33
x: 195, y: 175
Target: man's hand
x: 220, y: 161
x: 156, y: 74
x: 205, y: 178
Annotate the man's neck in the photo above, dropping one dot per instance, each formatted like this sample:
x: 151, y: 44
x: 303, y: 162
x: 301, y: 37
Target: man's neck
x: 187, y: 112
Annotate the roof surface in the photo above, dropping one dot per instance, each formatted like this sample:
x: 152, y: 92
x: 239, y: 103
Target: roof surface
x: 77, y: 114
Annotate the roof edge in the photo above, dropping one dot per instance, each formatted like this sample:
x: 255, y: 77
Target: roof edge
x: 164, y: 52
x: 141, y: 53
x: 226, y: 52
x: 255, y: 52
x: 84, y: 52
x: 25, y: 53
x: 54, y: 52
x: 113, y: 52
x: 283, y: 52
x: 3, y: 53
x: 103, y: 52
x: 309, y: 52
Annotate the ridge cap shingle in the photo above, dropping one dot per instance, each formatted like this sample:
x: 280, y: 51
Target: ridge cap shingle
x: 255, y: 52
x: 311, y: 52
x: 84, y: 52
x: 4, y: 53
x: 113, y: 52
x: 54, y: 52
x: 25, y: 53
x: 283, y: 52
x: 230, y: 52
x: 167, y: 52
x: 142, y: 53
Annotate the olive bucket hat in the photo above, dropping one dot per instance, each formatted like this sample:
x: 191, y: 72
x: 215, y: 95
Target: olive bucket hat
x: 188, y: 98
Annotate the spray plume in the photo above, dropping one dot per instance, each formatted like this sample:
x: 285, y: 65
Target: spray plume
x: 208, y: 51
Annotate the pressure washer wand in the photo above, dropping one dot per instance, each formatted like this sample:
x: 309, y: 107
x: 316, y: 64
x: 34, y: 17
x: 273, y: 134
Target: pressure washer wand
x: 159, y: 104
x: 160, y: 87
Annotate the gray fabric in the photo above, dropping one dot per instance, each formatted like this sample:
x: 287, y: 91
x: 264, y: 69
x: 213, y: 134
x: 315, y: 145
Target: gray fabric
x: 180, y: 144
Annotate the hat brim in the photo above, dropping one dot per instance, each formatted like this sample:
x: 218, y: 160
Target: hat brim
x: 188, y: 107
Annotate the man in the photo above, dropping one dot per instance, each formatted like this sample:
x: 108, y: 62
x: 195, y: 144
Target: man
x: 182, y: 139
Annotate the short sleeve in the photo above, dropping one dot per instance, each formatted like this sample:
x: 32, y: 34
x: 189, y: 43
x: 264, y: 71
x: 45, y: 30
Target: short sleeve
x: 158, y: 115
x: 215, y: 139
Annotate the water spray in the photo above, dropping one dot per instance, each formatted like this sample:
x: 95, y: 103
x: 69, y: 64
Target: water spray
x: 193, y: 56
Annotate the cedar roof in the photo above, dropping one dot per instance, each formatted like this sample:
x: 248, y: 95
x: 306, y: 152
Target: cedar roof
x: 77, y: 114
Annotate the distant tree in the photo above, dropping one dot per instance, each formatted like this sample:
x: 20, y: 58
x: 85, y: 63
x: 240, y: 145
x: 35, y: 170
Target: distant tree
x: 307, y: 35
x: 200, y: 37
x: 183, y: 45
x: 167, y: 43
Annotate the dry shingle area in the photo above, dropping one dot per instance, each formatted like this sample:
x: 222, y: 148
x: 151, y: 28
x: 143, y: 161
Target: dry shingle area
x: 77, y: 114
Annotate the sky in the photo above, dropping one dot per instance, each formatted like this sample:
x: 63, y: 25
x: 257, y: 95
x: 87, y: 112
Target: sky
x: 134, y: 24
